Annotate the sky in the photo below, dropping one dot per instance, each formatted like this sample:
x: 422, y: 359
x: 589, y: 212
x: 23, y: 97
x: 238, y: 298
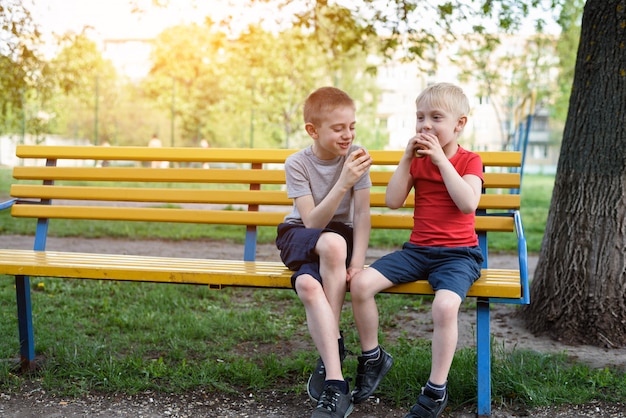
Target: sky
x: 113, y: 19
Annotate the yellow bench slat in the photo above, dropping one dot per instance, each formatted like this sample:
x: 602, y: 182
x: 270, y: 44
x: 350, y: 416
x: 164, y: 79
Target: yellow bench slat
x: 197, y: 175
x: 487, y: 201
x: 135, y: 174
x: 223, y: 217
x: 238, y: 155
x: 135, y: 194
x: 214, y: 273
x: 405, y: 221
x: 492, y: 180
x: 176, y: 154
x: 235, y: 197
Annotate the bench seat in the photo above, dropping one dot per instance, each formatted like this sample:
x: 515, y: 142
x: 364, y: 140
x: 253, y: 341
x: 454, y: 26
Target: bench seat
x: 213, y: 273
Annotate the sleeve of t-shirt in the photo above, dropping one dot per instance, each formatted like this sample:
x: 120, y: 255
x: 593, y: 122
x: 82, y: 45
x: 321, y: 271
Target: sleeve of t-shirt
x: 474, y: 166
x: 297, y: 177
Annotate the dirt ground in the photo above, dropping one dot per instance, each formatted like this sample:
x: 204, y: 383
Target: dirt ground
x: 508, y: 331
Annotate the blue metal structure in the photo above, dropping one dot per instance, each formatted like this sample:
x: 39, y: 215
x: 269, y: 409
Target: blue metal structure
x: 523, y: 118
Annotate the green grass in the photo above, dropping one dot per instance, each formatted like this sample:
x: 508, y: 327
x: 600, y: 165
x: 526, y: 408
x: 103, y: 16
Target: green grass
x: 131, y: 337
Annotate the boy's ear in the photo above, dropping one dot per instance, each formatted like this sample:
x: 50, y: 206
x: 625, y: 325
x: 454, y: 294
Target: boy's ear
x: 310, y: 129
x: 461, y: 123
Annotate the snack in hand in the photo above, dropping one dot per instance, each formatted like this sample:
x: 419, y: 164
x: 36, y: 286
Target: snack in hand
x: 359, y: 154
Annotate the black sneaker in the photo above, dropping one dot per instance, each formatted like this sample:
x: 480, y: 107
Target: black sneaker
x: 369, y: 374
x: 333, y: 404
x: 427, y: 407
x: 315, y: 384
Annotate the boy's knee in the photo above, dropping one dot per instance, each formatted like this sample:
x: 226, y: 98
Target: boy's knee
x: 332, y: 245
x: 307, y: 286
x: 360, y: 288
x: 446, y: 305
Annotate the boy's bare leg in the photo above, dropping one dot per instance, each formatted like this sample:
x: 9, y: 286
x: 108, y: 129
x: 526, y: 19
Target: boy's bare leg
x: 445, y: 312
x: 320, y: 320
x: 323, y: 304
x: 363, y: 288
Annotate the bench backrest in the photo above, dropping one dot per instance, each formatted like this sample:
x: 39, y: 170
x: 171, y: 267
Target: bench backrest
x: 241, y: 187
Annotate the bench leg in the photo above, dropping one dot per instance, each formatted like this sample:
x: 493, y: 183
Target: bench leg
x: 483, y: 349
x: 25, y: 322
x: 249, y: 250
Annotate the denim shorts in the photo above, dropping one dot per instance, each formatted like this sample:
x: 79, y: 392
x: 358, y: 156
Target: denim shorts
x: 297, y: 247
x: 449, y: 268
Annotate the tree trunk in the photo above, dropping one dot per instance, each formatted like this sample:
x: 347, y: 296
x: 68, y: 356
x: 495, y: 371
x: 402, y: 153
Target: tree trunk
x: 578, y: 293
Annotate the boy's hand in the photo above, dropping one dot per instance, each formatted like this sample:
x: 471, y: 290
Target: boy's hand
x: 357, y: 163
x: 351, y: 272
x: 423, y: 144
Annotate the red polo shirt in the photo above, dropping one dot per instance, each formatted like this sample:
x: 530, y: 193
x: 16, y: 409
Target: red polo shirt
x: 437, y: 220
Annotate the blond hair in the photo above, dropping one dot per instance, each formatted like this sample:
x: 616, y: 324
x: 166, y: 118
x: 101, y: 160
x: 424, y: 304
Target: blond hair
x: 446, y: 96
x: 324, y: 100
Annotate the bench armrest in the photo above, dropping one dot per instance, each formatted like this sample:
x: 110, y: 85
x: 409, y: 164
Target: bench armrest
x: 7, y: 204
x: 522, y: 252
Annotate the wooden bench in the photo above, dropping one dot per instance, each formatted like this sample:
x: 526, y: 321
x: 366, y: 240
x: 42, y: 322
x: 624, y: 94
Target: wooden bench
x: 243, y: 187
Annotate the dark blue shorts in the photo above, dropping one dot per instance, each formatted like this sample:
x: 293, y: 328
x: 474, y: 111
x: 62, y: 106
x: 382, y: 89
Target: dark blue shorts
x: 454, y: 269
x: 297, y: 247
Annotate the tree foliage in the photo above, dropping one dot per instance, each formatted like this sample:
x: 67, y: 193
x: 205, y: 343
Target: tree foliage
x: 87, y: 85
x: 21, y: 68
x: 187, y: 66
x: 248, y: 90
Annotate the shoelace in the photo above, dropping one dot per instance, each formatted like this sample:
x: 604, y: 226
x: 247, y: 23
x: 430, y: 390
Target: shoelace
x: 329, y: 401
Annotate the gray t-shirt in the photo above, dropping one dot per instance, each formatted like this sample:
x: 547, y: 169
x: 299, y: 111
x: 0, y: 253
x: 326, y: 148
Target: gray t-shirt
x: 308, y: 175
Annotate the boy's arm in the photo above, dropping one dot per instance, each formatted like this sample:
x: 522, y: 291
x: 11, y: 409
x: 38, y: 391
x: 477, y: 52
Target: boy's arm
x: 361, y: 227
x: 401, y: 181
x: 319, y: 216
x: 464, y: 191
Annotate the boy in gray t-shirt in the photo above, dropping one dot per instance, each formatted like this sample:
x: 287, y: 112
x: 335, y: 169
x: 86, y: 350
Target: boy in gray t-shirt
x: 324, y: 239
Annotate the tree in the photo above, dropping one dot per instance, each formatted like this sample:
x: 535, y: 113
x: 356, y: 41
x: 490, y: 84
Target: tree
x: 21, y: 69
x: 271, y: 74
x: 342, y: 41
x: 578, y: 291
x: 185, y: 75
x: 87, y: 89
x: 505, y: 74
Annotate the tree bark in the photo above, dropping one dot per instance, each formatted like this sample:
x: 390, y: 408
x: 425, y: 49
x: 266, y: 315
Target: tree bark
x: 578, y: 293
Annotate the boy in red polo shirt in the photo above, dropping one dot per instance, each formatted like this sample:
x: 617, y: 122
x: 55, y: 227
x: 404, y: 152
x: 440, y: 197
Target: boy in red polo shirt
x: 443, y: 246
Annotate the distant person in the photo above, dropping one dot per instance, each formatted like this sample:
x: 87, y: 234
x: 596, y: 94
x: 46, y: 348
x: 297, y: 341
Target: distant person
x: 155, y: 142
x: 443, y: 246
x: 324, y: 239
x: 205, y: 144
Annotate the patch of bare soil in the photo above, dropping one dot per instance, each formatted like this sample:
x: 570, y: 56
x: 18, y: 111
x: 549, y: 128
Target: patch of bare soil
x: 508, y: 330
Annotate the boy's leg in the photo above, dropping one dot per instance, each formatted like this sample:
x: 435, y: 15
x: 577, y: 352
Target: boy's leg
x: 434, y: 397
x: 335, y: 395
x: 333, y: 252
x: 325, y: 311
x: 363, y: 289
x: 374, y: 363
x: 452, y: 273
x: 445, y: 312
x: 321, y: 323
